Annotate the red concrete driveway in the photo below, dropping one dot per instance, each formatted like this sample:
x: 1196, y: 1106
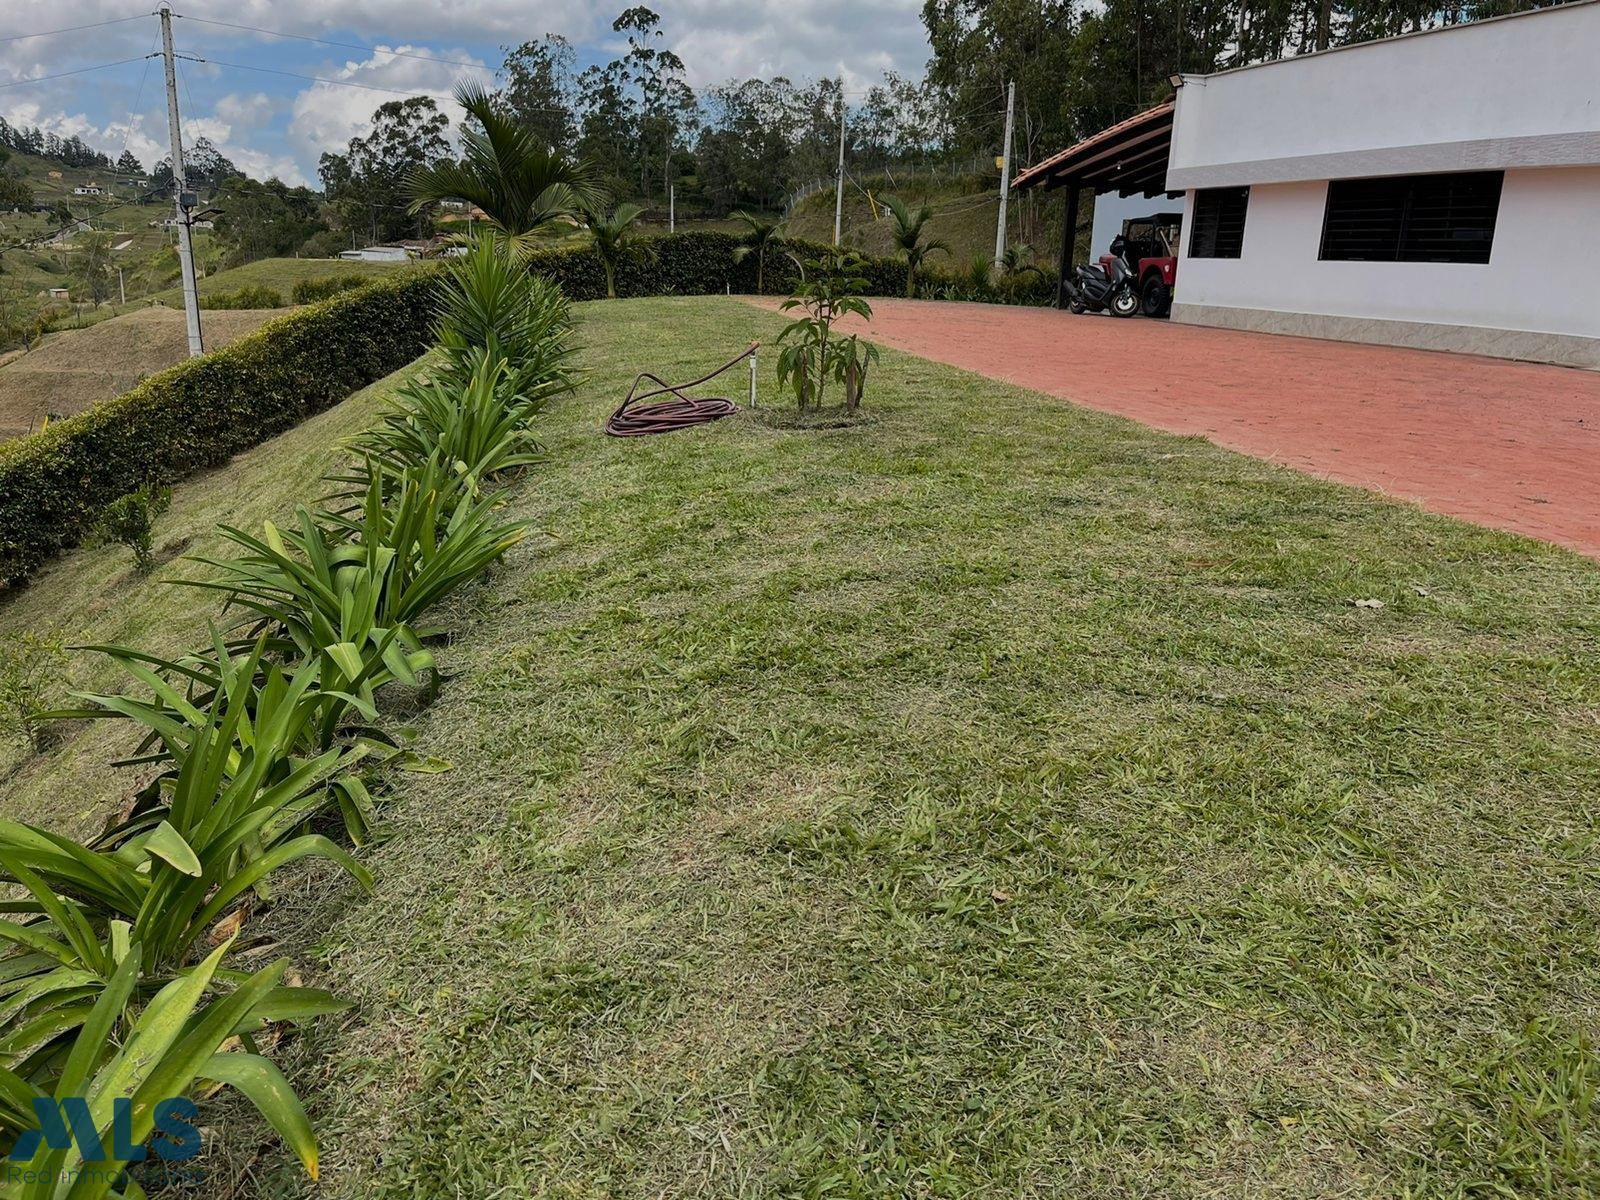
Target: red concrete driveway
x: 1511, y: 445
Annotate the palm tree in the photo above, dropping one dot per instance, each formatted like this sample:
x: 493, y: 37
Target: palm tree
x: 761, y: 234
x: 521, y: 185
x: 1018, y: 260
x: 609, y: 233
x: 907, y: 237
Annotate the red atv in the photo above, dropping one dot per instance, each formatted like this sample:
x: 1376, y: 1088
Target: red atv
x: 1152, y: 250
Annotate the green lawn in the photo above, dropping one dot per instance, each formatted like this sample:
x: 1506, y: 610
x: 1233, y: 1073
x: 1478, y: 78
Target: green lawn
x: 279, y: 274
x: 1000, y: 799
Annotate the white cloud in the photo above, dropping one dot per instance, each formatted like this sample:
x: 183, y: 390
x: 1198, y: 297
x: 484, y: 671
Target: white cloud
x: 247, y: 112
x: 326, y: 115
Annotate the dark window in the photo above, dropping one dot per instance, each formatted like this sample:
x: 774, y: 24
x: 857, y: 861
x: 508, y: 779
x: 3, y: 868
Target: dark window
x: 1218, y: 222
x: 1412, y: 218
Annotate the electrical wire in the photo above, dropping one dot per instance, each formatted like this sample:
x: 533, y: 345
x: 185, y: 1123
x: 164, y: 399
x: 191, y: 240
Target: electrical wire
x: 121, y: 62
x: 22, y: 37
x: 366, y: 87
x: 302, y: 37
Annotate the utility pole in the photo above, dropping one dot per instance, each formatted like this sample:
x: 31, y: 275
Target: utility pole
x: 672, y: 207
x: 122, y: 288
x: 191, y: 296
x: 1005, y: 176
x: 838, y: 191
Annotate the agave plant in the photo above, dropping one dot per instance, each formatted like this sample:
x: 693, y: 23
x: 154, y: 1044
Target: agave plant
x: 609, y: 235
x: 522, y: 186
x: 907, y: 234
x: 224, y: 825
x: 480, y: 426
x: 124, y: 1078
x: 761, y: 236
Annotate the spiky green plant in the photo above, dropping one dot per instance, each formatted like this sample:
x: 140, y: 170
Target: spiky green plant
x: 522, y: 186
x: 176, y: 1041
x: 489, y: 304
x: 907, y: 234
x: 608, y: 235
x: 761, y: 236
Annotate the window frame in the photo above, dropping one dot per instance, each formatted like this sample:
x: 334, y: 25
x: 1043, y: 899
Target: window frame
x: 1194, y: 222
x: 1403, y: 218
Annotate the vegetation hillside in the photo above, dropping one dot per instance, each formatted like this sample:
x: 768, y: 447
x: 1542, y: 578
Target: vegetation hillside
x: 964, y: 214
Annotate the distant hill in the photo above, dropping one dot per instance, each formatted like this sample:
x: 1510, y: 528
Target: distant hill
x: 71, y: 370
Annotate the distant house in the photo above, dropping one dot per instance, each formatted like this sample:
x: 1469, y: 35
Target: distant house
x: 398, y: 253
x: 59, y: 294
x: 173, y: 223
x: 88, y: 189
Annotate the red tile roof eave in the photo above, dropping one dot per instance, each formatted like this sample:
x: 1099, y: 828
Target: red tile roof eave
x: 1042, y: 170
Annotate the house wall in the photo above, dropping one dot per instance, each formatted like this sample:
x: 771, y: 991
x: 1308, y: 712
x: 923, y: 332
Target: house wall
x: 1515, y: 92
x: 1543, y: 272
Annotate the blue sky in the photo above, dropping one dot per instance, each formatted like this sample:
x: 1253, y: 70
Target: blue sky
x: 262, y: 112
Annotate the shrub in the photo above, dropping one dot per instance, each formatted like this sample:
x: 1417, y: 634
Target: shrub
x: 130, y: 520
x: 254, y: 296
x: 309, y: 291
x: 832, y: 287
x: 201, y: 412
x: 698, y: 263
x: 30, y: 663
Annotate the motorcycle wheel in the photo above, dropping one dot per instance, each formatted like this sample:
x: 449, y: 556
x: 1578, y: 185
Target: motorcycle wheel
x: 1125, y: 303
x: 1076, y: 307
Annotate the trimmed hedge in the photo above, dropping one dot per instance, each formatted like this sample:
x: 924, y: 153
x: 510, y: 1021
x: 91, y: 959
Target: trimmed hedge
x: 702, y: 263
x: 694, y: 264
x: 54, y: 484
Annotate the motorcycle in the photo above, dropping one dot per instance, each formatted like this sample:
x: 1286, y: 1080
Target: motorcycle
x: 1096, y: 288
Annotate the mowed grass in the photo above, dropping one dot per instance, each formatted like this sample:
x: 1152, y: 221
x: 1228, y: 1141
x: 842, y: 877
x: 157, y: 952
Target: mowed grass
x: 999, y: 799
x: 279, y: 274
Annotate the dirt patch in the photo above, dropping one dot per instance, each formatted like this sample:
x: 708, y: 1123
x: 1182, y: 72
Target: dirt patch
x: 72, y: 370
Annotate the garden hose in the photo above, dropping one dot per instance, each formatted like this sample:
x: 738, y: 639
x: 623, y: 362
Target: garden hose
x: 637, y: 418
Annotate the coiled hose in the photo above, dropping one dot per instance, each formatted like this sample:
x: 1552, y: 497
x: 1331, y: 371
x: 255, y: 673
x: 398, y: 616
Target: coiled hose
x: 640, y: 414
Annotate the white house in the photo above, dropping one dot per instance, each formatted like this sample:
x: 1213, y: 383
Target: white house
x: 1440, y: 189
x: 377, y: 254
x: 91, y: 189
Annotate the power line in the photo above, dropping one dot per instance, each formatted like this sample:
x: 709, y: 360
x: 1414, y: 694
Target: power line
x: 301, y: 37
x: 121, y: 62
x: 22, y: 37
x: 366, y: 87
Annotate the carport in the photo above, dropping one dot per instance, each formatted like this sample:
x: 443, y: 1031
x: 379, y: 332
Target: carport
x: 1129, y: 158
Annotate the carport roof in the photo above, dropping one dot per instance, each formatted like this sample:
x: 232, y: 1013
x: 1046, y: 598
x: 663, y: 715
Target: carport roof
x: 1130, y: 156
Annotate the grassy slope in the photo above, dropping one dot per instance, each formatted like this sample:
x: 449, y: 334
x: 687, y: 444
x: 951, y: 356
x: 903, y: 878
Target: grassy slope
x: 280, y: 274
x: 963, y: 219
x: 94, y: 596
x: 76, y: 368
x: 1000, y: 799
